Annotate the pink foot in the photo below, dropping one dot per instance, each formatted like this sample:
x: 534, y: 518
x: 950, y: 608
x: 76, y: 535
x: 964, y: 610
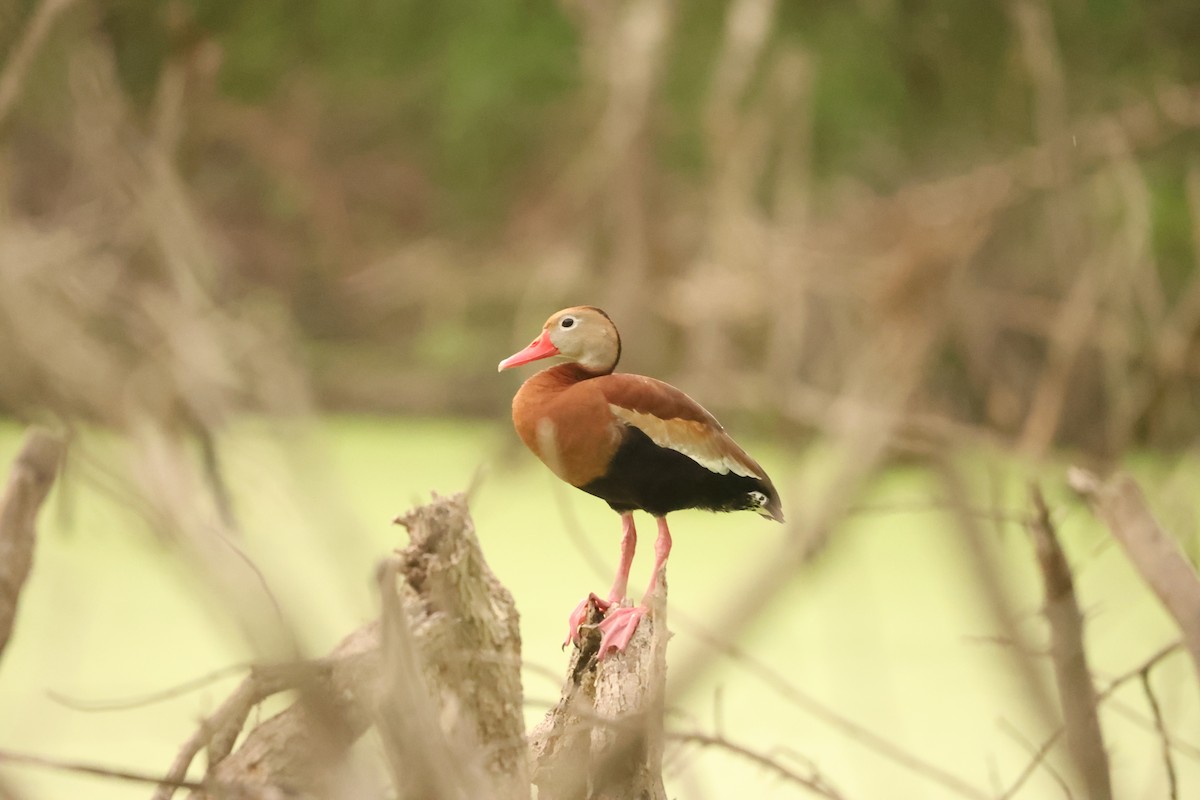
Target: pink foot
x: 581, y: 614
x: 618, y: 628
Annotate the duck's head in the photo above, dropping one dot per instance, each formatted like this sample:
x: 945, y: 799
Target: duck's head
x: 583, y: 334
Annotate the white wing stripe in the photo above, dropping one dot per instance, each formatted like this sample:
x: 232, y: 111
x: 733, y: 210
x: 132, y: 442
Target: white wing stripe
x: 672, y: 434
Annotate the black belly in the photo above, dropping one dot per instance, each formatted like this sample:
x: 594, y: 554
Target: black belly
x: 659, y: 480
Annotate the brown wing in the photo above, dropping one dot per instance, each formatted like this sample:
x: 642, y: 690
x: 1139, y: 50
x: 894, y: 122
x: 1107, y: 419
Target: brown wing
x: 673, y: 420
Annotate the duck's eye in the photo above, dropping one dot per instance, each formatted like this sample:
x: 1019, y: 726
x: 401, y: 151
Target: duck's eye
x: 567, y: 322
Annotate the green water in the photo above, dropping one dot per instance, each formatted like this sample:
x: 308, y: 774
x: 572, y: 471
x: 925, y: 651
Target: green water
x: 887, y: 627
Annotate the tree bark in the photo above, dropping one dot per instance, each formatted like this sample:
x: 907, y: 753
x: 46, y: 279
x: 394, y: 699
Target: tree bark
x: 438, y: 677
x: 440, y: 673
x: 604, y: 740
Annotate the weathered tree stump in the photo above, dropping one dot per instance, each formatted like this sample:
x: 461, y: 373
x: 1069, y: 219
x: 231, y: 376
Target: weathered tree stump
x: 604, y: 738
x: 438, y: 676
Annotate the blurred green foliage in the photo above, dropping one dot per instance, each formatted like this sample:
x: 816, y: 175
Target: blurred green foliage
x: 480, y: 92
x: 480, y: 85
x: 467, y: 86
x: 410, y: 176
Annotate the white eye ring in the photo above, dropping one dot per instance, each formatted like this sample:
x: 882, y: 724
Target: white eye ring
x: 567, y: 322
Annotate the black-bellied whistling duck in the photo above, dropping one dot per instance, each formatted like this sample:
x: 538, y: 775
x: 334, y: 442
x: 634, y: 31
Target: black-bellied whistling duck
x: 635, y: 442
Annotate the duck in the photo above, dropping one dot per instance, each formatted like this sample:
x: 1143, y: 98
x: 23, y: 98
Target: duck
x: 635, y: 442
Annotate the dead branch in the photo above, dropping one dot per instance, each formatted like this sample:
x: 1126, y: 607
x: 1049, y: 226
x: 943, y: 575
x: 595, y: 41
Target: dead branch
x: 604, y: 740
x: 813, y: 783
x: 423, y: 761
x: 28, y: 759
x: 1103, y: 696
x: 1160, y: 727
x: 466, y: 630
x: 1038, y: 757
x: 464, y: 634
x: 1119, y: 502
x: 149, y: 698
x: 32, y: 475
x: 1077, y: 695
x: 998, y: 593
x: 218, y: 732
x: 874, y: 742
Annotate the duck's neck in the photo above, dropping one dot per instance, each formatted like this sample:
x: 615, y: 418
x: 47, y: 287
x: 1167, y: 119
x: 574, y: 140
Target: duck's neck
x: 567, y: 374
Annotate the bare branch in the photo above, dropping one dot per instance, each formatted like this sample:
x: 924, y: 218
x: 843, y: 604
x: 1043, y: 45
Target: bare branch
x: 1145, y: 666
x: 1039, y: 757
x: 32, y: 475
x: 1160, y: 726
x: 150, y: 698
x: 1085, y: 740
x: 1119, y: 502
x: 1101, y: 697
x: 220, y: 730
x: 9, y: 757
x: 995, y: 589
x: 864, y: 736
x: 814, y: 783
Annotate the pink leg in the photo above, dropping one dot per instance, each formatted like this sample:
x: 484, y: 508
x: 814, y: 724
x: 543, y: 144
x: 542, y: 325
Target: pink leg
x: 618, y: 627
x: 620, y: 587
x: 662, y: 550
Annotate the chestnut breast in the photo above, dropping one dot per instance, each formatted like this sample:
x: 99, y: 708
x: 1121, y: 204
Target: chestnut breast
x: 565, y: 419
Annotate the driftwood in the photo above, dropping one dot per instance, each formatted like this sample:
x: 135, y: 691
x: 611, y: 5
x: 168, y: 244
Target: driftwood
x: 32, y: 475
x: 438, y: 678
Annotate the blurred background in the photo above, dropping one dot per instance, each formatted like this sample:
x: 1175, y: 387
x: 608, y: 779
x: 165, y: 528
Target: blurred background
x: 260, y: 261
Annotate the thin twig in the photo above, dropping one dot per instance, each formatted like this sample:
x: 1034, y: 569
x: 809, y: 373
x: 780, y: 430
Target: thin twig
x: 1160, y: 726
x: 1146, y: 666
x: 10, y: 757
x: 866, y: 737
x: 1179, y: 746
x: 813, y: 783
x: 220, y: 730
x: 1103, y: 696
x: 150, y: 698
x: 1039, y: 757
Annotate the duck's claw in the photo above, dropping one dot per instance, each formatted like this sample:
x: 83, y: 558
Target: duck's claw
x: 618, y: 628
x: 580, y: 615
